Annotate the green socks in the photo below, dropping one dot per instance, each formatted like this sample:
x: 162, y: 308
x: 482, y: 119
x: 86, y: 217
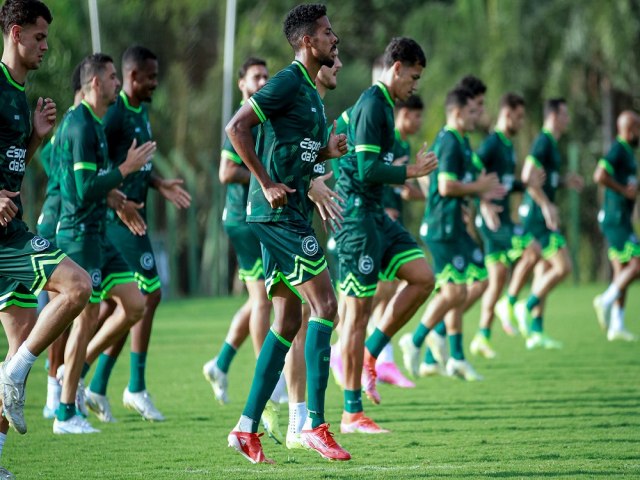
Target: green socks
x: 227, y: 352
x: 65, y: 411
x: 532, y: 302
x: 267, y: 373
x: 420, y: 334
x: 376, y: 342
x: 429, y: 359
x: 85, y: 370
x: 536, y: 325
x: 512, y: 299
x: 353, y: 401
x: 103, y: 372
x: 486, y: 333
x: 441, y: 328
x: 455, y: 345
x: 317, y: 352
x: 136, y: 372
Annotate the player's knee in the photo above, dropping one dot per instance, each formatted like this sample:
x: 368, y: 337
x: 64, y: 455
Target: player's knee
x: 328, y: 308
x: 134, y: 309
x: 79, y: 288
x: 428, y: 283
x: 635, y: 266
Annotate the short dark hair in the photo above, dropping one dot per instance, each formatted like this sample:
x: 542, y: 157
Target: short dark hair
x: 405, y: 50
x: 512, y: 101
x: 93, y: 65
x: 458, y: 97
x: 22, y: 12
x: 248, y: 63
x: 301, y: 21
x: 75, y: 78
x: 473, y: 84
x: 414, y: 102
x: 136, y: 56
x: 552, y: 105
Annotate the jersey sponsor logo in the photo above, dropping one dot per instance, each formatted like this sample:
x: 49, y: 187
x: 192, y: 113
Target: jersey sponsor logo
x: 147, y: 261
x: 147, y: 167
x: 39, y: 244
x: 96, y: 277
x: 103, y: 171
x: 311, y: 149
x: 17, y: 157
x: 310, y: 245
x: 388, y: 158
x: 458, y: 262
x: 365, y: 264
x: 319, y: 168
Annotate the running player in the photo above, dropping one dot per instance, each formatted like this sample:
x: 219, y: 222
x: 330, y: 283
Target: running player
x: 370, y: 244
x: 617, y: 173
x: 293, y: 123
x: 87, y: 177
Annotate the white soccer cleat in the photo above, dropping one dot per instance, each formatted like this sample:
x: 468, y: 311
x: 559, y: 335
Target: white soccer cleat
x: 462, y: 369
x: 271, y: 421
x: 603, y: 314
x: 481, y: 346
x: 432, y: 370
x: 142, y: 403
x: 75, y: 425
x: 410, y: 354
x: 438, y: 345
x: 81, y: 403
x: 294, y: 441
x: 6, y: 474
x: 540, y: 340
x: 48, y: 413
x: 523, y: 318
x: 506, y: 315
x: 12, y: 396
x: 621, y: 335
x: 218, y: 380
x: 99, y: 404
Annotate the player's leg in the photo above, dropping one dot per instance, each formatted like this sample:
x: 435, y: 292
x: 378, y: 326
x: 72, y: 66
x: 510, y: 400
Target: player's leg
x: 623, y: 274
x: 481, y: 343
x: 297, y: 382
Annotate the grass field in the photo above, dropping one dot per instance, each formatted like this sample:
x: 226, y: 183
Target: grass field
x: 573, y: 413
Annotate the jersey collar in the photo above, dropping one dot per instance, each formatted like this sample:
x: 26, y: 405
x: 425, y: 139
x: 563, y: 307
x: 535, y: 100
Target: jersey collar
x: 125, y: 99
x: 385, y: 92
x: 548, y: 133
x: 625, y: 144
x: 455, y: 132
x: 10, y: 78
x: 93, y: 114
x: 305, y: 74
x: 504, y: 138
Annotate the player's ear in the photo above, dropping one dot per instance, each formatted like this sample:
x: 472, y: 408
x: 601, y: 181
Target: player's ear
x: 397, y: 67
x: 15, y: 32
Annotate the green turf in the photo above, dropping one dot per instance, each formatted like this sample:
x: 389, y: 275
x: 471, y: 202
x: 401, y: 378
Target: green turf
x: 568, y: 414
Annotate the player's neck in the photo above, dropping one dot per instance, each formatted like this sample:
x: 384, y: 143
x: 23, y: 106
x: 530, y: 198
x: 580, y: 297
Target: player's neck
x: 99, y: 108
x: 133, y: 100
x: 16, y: 69
x: 452, y: 123
x: 309, y: 62
x: 552, y: 129
x: 322, y: 91
x: 501, y: 126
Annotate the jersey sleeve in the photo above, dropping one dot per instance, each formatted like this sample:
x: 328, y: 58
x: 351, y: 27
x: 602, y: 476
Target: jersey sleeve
x: 539, y: 152
x: 487, y: 153
x: 342, y: 122
x: 611, y: 160
x: 228, y: 152
x: 450, y: 158
x: 276, y: 97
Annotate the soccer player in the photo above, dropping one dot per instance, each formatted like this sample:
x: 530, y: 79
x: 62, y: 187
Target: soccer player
x: 446, y: 233
x: 540, y: 219
x: 292, y: 119
x: 494, y: 219
x: 125, y: 121
x: 370, y: 243
x: 617, y: 173
x: 28, y: 263
x: 86, y: 178
x: 253, y: 317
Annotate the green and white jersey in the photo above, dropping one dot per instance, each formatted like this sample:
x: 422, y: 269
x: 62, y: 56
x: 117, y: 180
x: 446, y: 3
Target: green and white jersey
x: 391, y: 195
x: 443, y: 215
x: 293, y: 129
x: 546, y: 156
x: 367, y: 166
x: 122, y: 124
x: 621, y: 164
x: 15, y: 132
x: 86, y: 174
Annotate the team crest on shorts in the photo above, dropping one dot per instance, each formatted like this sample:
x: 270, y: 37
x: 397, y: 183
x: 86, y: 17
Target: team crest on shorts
x: 96, y: 277
x: 477, y: 255
x: 310, y: 245
x: 365, y: 264
x: 39, y: 244
x: 146, y: 261
x: 458, y: 262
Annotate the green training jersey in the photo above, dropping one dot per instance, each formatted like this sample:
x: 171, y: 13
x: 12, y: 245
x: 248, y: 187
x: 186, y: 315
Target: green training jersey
x: 86, y: 174
x: 391, y: 194
x: 621, y: 164
x: 546, y: 156
x: 367, y: 166
x: 443, y: 215
x: 15, y: 132
x: 293, y: 129
x: 122, y: 124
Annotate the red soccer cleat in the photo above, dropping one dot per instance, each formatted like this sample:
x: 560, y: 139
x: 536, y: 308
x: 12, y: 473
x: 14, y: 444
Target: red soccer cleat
x: 249, y: 446
x: 321, y: 440
x: 369, y: 377
x: 359, y: 423
x: 388, y: 372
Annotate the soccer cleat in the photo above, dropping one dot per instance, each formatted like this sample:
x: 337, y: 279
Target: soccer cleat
x: 321, y: 440
x: 335, y: 362
x: 622, y: 335
x: 438, y: 345
x: 603, y: 314
x: 410, y: 354
x: 359, y: 423
x: 99, y: 404
x: 248, y: 445
x: 48, y: 413
x: 81, y: 401
x: 75, y: 425
x: 218, y: 380
x: 388, y: 372
x: 369, y: 377
x: 271, y: 421
x: 480, y: 345
x: 431, y: 370
x: 12, y: 396
x: 142, y: 403
x: 462, y: 369
x: 505, y: 312
x: 523, y: 317
x: 6, y: 474
x: 293, y: 441
x: 540, y: 340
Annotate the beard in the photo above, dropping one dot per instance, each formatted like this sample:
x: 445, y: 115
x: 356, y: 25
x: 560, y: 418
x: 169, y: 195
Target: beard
x: 328, y: 60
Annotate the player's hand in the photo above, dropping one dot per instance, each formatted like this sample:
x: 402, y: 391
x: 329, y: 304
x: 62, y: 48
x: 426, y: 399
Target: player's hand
x: 537, y: 177
x: 631, y: 191
x: 574, y: 181
x: 337, y: 144
x: 327, y: 201
x: 276, y: 194
x: 116, y: 199
x: 426, y: 162
x: 550, y: 214
x: 131, y: 217
x: 392, y: 213
x: 489, y: 186
x: 137, y: 157
x: 44, y: 117
x: 490, y: 213
x: 8, y: 209
x: 171, y: 189
x: 400, y: 161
